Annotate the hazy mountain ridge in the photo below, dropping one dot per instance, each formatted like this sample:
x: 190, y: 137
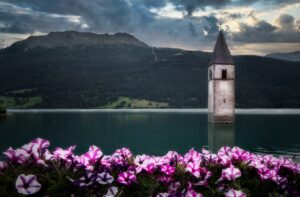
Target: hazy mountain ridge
x: 97, y: 76
x: 292, y: 56
x: 75, y: 39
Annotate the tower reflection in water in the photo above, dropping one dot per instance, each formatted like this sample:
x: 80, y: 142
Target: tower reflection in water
x: 220, y: 135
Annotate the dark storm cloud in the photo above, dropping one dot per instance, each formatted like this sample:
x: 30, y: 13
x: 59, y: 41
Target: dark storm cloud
x: 99, y: 15
x: 264, y: 32
x: 211, y: 26
x: 14, y: 19
x: 286, y: 22
x: 192, y: 30
x: 192, y: 5
x: 261, y: 32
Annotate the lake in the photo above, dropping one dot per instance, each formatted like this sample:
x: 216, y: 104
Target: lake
x: 154, y: 131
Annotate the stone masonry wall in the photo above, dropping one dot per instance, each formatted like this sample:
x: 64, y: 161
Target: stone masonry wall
x: 221, y: 98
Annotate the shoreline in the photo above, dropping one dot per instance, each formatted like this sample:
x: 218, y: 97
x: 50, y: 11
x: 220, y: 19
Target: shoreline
x: 271, y: 111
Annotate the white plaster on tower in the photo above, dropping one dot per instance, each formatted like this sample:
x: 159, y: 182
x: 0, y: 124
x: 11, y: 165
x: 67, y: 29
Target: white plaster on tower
x: 221, y: 84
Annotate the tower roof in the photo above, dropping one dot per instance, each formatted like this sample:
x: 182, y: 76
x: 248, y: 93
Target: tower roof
x: 221, y: 53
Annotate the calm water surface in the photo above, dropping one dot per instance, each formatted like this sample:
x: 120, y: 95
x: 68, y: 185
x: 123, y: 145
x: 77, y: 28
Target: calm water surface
x: 153, y: 132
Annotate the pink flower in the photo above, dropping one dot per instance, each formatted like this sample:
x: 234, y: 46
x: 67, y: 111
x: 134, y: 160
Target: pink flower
x: 266, y: 173
x: 280, y: 180
x: 91, y: 157
x: 106, y: 161
x: 64, y: 154
x: 192, y: 193
x: 140, y: 159
x: 126, y: 178
x: 41, y: 143
x: 270, y: 161
x: 235, y: 193
x: 239, y: 154
x: 205, y: 152
x: 225, y: 150
x: 167, y: 170
x: 204, y: 176
x: 111, y: 192
x: 173, y: 187
x: 211, y: 158
x: 173, y: 156
x: 192, y: 156
x: 27, y: 184
x: 104, y: 178
x: 230, y: 173
x: 165, y: 179
x: 124, y: 152
x: 163, y: 195
x: 47, y: 155
x: 3, y: 165
x: 17, y: 156
x: 149, y: 167
x: 193, y: 168
x: 224, y: 160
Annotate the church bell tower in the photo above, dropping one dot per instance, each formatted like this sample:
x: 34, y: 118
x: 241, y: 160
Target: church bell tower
x: 221, y: 84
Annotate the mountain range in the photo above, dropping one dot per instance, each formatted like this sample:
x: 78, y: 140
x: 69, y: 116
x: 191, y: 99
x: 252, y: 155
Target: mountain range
x: 87, y: 70
x: 292, y: 56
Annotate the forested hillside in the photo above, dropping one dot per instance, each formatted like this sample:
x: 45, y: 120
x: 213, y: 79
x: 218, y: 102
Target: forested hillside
x: 120, y: 71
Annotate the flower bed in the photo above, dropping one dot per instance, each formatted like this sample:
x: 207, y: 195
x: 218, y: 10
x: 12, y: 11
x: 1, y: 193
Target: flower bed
x: 35, y: 170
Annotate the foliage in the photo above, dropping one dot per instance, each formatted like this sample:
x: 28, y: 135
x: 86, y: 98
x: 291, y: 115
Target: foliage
x: 33, y: 169
x: 126, y: 102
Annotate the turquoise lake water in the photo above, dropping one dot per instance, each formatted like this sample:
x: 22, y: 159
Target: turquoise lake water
x: 153, y: 132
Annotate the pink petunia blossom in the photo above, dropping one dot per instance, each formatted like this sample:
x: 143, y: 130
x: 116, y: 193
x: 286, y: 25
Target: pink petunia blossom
x: 91, y: 157
x: 204, y: 176
x: 16, y: 156
x: 165, y: 179
x: 27, y: 184
x: 104, y: 178
x: 235, y: 193
x: 111, y: 192
x: 211, y: 158
x: 148, y: 166
x: 239, y: 154
x: 266, y: 173
x: 123, y: 152
x: 140, y: 159
x: 231, y: 173
x: 193, y: 168
x: 126, y: 178
x: 163, y: 195
x: 167, y: 170
x: 192, y: 156
x: 173, y: 187
x: 224, y: 160
x: 42, y: 143
x: 64, y: 154
x: 225, y: 150
x: 173, y: 156
x: 192, y: 193
x: 3, y: 165
x: 47, y: 155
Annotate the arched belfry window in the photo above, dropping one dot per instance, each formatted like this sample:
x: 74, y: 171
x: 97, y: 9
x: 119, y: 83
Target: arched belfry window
x: 210, y: 75
x: 224, y: 74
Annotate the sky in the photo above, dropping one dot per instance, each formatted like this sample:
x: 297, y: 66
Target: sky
x: 255, y: 27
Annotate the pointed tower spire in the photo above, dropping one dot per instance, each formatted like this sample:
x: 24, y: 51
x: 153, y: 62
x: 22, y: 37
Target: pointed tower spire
x: 221, y: 53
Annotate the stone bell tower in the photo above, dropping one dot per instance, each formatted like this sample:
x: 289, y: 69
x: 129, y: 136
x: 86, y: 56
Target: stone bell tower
x: 221, y: 84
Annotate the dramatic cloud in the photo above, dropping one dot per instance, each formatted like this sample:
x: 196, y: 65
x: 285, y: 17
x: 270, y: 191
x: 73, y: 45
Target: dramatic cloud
x: 189, y: 24
x: 264, y: 32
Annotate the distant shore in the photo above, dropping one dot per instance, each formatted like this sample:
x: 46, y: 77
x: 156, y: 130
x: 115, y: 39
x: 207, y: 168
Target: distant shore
x: 203, y: 110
